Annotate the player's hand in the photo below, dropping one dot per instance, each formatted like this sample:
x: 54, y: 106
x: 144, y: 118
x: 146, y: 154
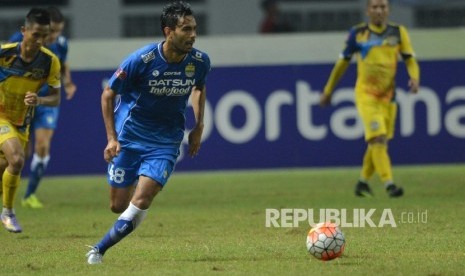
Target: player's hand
x: 194, y: 140
x: 325, y: 100
x: 414, y: 85
x: 31, y: 99
x: 70, y: 89
x: 112, y: 149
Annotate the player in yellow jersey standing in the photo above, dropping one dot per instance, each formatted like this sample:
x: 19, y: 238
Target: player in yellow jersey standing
x: 377, y: 46
x: 24, y: 68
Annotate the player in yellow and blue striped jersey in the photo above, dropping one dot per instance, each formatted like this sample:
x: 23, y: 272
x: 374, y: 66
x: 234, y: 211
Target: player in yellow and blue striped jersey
x: 377, y: 46
x: 45, y: 118
x: 24, y: 68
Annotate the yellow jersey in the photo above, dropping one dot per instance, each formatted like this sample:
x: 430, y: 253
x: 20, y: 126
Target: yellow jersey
x: 377, y: 51
x: 18, y: 77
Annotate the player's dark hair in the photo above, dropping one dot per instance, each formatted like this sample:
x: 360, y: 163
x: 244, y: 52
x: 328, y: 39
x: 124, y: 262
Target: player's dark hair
x: 172, y: 12
x: 55, y: 15
x: 37, y: 16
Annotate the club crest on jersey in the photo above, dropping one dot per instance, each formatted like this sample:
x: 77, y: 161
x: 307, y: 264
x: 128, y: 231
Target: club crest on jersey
x: 36, y: 74
x: 392, y: 40
x: 148, y: 57
x: 156, y: 73
x: 190, y: 70
x: 120, y: 74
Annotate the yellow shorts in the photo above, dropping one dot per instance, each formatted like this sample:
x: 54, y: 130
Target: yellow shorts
x: 378, y: 117
x: 8, y: 131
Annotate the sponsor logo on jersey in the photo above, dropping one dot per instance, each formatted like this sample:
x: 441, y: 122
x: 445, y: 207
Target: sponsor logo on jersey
x: 190, y: 70
x: 148, y: 57
x: 172, y: 74
x: 172, y: 82
x: 36, y: 74
x: 171, y: 87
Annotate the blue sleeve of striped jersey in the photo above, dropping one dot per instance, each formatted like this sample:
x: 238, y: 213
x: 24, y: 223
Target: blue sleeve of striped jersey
x: 351, y: 45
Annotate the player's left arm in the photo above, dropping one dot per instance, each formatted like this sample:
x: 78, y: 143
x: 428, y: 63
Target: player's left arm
x: 411, y: 63
x: 198, y: 98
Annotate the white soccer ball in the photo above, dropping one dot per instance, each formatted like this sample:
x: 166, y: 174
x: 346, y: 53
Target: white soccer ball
x: 325, y: 241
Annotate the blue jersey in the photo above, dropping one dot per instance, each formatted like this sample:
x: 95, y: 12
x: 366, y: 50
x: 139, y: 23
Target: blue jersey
x: 59, y: 48
x: 153, y: 95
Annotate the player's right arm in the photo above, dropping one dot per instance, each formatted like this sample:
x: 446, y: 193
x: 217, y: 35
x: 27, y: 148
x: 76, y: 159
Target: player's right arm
x: 52, y: 99
x: 54, y: 83
x: 338, y: 71
x: 108, y: 104
x: 340, y: 67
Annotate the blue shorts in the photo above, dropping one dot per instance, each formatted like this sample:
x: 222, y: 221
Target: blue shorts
x: 45, y: 117
x: 133, y: 161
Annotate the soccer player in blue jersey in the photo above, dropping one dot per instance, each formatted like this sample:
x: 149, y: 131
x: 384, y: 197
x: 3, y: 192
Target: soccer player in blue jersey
x: 377, y: 45
x: 25, y: 67
x: 45, y: 118
x: 144, y: 109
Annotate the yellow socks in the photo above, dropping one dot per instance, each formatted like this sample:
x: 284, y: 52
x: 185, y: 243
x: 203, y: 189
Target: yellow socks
x: 368, y: 167
x: 10, y: 186
x: 381, y: 161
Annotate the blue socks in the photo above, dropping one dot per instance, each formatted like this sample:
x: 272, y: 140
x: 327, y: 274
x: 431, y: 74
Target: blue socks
x: 38, y: 166
x: 118, y: 231
x: 126, y: 223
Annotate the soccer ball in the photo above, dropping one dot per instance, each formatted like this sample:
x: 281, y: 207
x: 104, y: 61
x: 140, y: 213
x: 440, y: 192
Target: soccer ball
x: 325, y: 241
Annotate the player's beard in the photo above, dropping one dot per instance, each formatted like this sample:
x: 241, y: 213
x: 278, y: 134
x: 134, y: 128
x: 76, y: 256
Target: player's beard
x: 182, y: 45
x: 380, y: 21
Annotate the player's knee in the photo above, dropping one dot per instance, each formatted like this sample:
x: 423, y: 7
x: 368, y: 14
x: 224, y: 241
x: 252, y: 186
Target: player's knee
x: 382, y: 139
x: 118, y: 207
x: 3, y: 165
x: 42, y: 149
x: 145, y: 200
x: 16, y: 163
x: 141, y: 203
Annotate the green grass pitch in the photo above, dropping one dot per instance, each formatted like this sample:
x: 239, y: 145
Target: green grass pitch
x: 213, y: 223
